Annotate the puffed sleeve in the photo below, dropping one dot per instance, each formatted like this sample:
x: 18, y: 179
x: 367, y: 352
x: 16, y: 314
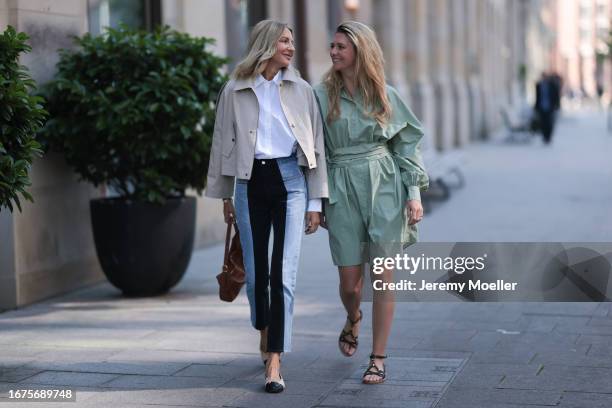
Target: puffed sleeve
x: 404, y: 133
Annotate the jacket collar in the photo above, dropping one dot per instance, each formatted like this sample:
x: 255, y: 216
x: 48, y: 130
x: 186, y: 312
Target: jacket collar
x: 287, y: 74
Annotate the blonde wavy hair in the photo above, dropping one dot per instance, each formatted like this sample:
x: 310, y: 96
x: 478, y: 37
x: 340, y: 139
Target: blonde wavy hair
x: 261, y: 48
x: 369, y: 74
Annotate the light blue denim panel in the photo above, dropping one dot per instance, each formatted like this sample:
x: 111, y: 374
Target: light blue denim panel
x: 241, y: 202
x: 295, y: 184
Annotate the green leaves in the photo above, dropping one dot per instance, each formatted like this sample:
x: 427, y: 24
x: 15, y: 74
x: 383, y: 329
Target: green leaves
x: 21, y: 117
x: 126, y: 107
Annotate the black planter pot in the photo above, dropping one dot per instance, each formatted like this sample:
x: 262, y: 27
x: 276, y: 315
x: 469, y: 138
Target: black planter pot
x: 144, y: 249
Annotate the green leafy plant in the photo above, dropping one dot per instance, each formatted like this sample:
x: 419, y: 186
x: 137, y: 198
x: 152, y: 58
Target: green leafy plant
x: 135, y: 110
x: 21, y: 116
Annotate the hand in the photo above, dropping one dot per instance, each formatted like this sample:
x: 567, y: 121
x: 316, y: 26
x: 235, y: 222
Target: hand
x: 415, y: 211
x: 228, y: 211
x: 313, y: 219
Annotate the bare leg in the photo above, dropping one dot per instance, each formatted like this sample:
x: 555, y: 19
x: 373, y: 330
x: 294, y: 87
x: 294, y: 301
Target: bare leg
x: 263, y: 344
x: 273, y: 366
x: 383, y: 306
x: 351, y: 282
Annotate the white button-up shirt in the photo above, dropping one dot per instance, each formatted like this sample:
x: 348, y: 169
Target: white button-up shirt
x: 274, y: 136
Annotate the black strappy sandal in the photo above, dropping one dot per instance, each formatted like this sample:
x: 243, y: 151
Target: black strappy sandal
x: 345, y: 339
x: 381, y: 373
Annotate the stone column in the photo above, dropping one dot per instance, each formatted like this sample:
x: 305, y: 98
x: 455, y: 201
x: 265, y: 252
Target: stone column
x: 8, y: 277
x: 4, y: 15
x: 439, y: 35
x: 388, y: 22
x: 8, y: 284
x: 364, y: 12
x: 206, y: 19
x: 172, y: 13
x: 458, y: 72
x: 317, y: 55
x: 474, y: 69
x: 417, y: 66
x: 281, y: 10
x: 485, y: 58
x: 513, y: 28
x: 499, y: 63
x: 494, y: 63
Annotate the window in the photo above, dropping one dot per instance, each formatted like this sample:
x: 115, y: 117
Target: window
x: 144, y: 14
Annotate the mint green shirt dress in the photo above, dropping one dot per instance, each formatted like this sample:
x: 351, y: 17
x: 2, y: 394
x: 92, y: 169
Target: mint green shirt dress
x: 372, y: 172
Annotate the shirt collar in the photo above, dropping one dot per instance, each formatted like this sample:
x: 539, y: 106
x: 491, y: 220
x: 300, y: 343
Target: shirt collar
x: 288, y: 74
x: 278, y: 78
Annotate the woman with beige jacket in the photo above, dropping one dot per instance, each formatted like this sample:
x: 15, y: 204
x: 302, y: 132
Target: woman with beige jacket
x: 268, y: 153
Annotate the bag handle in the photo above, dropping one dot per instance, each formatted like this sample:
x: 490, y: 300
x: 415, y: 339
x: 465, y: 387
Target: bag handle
x: 228, y: 236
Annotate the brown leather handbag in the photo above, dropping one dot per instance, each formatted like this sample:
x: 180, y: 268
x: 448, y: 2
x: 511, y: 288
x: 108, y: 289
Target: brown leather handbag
x: 232, y: 274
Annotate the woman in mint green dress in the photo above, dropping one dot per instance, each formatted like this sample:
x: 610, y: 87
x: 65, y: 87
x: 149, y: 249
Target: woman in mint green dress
x: 375, y: 175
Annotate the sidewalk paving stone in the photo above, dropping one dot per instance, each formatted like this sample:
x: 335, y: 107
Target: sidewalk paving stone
x: 585, y: 400
x: 484, y: 397
x: 554, y: 377
x: 70, y: 378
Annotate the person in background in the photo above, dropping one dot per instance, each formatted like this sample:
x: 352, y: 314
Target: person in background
x: 548, y: 102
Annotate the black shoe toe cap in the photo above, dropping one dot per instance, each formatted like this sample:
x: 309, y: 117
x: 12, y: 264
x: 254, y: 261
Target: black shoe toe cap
x: 274, y: 387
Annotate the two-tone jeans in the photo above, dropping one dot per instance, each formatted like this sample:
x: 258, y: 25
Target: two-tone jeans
x: 273, y: 199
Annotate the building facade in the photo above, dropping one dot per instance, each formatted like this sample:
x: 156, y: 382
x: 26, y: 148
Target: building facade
x: 579, y: 55
x: 457, y: 63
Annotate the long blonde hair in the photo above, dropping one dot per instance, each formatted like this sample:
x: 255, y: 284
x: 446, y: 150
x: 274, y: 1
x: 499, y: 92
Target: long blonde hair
x: 369, y: 74
x: 262, y: 47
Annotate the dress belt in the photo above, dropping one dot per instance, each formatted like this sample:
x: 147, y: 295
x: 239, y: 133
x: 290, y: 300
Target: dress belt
x: 346, y: 156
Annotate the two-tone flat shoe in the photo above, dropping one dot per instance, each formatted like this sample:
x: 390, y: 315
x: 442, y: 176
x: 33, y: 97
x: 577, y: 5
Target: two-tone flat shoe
x: 275, y: 386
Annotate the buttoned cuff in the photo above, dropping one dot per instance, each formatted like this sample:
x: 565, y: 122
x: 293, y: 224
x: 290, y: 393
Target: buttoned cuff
x: 414, y: 193
x: 314, y: 205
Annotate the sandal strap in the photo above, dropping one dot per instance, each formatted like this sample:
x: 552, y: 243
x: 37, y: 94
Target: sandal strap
x: 344, y: 339
x: 356, y: 321
x: 373, y: 356
x: 381, y: 372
